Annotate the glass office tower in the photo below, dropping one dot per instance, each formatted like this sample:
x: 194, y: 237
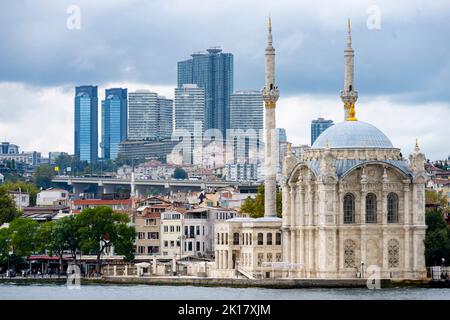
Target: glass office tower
x: 318, y: 126
x: 114, y: 121
x: 86, y: 123
x: 213, y: 71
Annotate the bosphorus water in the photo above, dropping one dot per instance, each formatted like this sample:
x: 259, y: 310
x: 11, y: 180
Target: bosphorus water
x: 15, y: 291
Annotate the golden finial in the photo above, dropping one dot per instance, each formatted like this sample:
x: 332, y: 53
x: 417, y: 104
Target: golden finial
x: 270, y: 24
x: 349, y: 26
x: 351, y: 112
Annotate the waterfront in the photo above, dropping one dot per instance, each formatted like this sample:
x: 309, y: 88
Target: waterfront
x: 152, y: 292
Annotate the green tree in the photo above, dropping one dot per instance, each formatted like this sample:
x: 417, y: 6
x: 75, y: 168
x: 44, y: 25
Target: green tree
x: 43, y: 176
x: 22, y: 186
x: 8, y: 210
x: 437, y: 239
x: 57, y: 237
x: 438, y: 198
x: 23, y: 236
x: 100, y: 228
x: 255, y: 207
x: 4, y: 245
x: 179, y: 173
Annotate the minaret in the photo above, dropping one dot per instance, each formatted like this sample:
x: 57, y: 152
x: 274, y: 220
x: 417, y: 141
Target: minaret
x: 349, y: 95
x: 270, y: 97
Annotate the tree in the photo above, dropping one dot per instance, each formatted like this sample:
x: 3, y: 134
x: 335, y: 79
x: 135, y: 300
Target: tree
x: 255, y: 207
x: 8, y: 210
x: 23, y: 236
x: 100, y: 228
x: 179, y: 173
x: 59, y: 236
x: 437, y: 239
x: 433, y: 197
x: 43, y: 176
x: 25, y: 187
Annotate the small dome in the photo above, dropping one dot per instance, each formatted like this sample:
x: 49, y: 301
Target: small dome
x: 352, y: 134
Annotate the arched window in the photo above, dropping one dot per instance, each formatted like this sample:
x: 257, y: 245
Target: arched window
x: 392, y: 206
x: 260, y: 239
x: 393, y: 253
x: 236, y: 238
x: 371, y: 208
x: 349, y: 208
x: 269, y: 239
x: 349, y: 254
x: 278, y: 239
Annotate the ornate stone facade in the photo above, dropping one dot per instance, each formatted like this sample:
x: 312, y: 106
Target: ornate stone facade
x: 341, y: 216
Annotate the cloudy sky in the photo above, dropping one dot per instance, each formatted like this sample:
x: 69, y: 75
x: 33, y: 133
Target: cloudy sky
x: 402, y: 60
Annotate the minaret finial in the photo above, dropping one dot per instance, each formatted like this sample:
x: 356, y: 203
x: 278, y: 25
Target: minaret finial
x: 269, y: 34
x: 349, y: 95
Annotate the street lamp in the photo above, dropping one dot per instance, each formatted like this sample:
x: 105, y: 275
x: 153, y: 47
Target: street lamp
x: 362, y: 269
x: 443, y: 262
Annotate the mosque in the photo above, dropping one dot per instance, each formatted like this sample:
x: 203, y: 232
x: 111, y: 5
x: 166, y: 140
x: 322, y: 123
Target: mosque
x: 352, y: 205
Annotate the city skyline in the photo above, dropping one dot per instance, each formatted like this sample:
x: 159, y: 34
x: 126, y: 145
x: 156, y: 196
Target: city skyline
x: 311, y: 81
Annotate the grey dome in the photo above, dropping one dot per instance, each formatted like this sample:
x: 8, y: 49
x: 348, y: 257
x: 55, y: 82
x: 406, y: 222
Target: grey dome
x: 352, y: 134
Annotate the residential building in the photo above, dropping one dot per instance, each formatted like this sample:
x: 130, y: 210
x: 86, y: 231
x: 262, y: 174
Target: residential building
x: 171, y: 232
x: 318, y: 126
x: 114, y: 121
x: 196, y: 233
x: 21, y: 199
x: 117, y: 205
x: 165, y: 117
x: 86, y: 123
x: 213, y: 71
x: 52, y: 197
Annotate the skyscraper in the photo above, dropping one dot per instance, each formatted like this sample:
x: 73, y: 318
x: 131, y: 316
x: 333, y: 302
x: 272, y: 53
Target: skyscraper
x: 318, y: 126
x: 165, y: 117
x: 142, y: 115
x: 114, y: 121
x: 212, y: 71
x: 150, y: 116
x: 247, y: 123
x: 189, y: 107
x: 86, y: 123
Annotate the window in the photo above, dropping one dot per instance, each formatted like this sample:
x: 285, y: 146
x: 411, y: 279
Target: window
x: 178, y: 243
x: 178, y: 228
x: 260, y: 239
x: 392, y: 206
x: 172, y: 228
x: 189, y: 246
x: 371, y: 208
x: 166, y: 229
x: 197, y: 230
x: 153, y: 235
x: 269, y: 257
x: 278, y: 239
x: 141, y: 249
x: 349, y: 208
x: 236, y: 238
x: 172, y: 244
x: 166, y: 244
x: 393, y: 253
x: 150, y: 222
x: 218, y: 238
x: 141, y: 235
x: 197, y: 246
x: 226, y: 238
x: 186, y: 232
x: 260, y: 258
x: 349, y: 254
x: 269, y: 239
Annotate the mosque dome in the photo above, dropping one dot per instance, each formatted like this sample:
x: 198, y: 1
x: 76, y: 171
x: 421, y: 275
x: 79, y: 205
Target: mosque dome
x: 352, y: 134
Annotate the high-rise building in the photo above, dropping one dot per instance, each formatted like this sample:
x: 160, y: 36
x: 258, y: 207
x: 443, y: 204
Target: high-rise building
x: 150, y: 116
x: 318, y: 126
x: 213, y: 71
x: 189, y: 108
x: 190, y: 120
x: 246, y: 124
x: 114, y: 121
x: 165, y: 117
x: 86, y: 123
x: 142, y: 115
